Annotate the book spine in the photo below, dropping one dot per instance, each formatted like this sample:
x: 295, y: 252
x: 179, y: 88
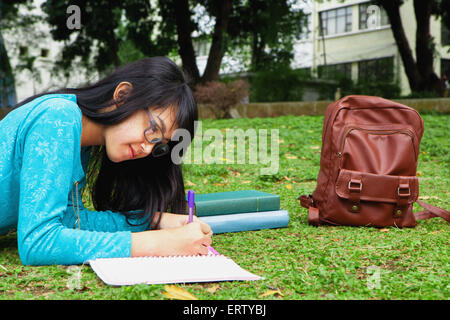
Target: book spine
x: 247, y: 221
x: 232, y: 206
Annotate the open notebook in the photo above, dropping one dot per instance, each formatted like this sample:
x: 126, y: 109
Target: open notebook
x: 175, y: 269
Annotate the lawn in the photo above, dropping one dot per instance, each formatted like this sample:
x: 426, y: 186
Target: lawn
x: 300, y: 261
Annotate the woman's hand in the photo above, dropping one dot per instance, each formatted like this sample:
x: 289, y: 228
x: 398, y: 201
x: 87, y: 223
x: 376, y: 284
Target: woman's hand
x: 171, y: 220
x: 188, y: 239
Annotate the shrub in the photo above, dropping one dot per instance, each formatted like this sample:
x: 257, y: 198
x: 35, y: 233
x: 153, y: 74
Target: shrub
x: 283, y: 84
x: 221, y: 97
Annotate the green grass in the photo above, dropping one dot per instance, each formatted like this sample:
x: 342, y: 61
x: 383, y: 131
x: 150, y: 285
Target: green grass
x: 302, y: 261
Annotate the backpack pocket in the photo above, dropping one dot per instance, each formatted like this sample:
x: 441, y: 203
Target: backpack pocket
x: 375, y: 199
x: 389, y: 149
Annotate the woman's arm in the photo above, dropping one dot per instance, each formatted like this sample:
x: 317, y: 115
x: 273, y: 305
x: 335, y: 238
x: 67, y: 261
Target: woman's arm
x: 104, y: 221
x: 45, y: 182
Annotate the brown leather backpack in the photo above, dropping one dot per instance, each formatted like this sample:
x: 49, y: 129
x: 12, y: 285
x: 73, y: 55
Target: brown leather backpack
x: 367, y: 176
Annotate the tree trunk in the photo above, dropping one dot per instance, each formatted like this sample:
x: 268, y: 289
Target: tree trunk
x: 412, y: 72
x: 424, y: 48
x: 185, y: 47
x: 420, y: 74
x: 217, y: 49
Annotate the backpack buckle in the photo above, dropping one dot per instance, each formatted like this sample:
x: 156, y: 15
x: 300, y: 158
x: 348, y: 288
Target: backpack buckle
x: 403, y: 187
x: 352, y: 181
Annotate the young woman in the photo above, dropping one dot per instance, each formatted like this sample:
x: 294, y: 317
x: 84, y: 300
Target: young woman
x: 115, y: 134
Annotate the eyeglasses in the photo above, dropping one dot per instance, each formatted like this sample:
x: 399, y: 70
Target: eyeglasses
x: 160, y: 147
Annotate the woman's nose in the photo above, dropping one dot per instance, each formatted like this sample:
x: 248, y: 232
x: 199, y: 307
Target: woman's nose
x: 147, y: 148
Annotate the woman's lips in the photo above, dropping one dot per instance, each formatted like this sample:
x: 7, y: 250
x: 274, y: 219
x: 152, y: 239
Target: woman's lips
x: 131, y: 153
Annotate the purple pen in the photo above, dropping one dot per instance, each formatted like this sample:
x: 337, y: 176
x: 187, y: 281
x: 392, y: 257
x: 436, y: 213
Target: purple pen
x: 191, y: 203
x: 191, y: 196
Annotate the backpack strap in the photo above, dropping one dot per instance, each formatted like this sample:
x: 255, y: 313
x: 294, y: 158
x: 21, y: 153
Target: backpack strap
x: 313, y: 212
x: 313, y: 216
x: 431, y: 212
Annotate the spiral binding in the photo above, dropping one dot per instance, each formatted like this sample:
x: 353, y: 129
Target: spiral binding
x: 170, y: 257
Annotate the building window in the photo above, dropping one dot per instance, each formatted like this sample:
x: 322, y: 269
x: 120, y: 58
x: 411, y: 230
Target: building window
x: 376, y: 70
x: 44, y: 53
x: 23, y: 51
x: 445, y: 68
x: 336, y: 21
x: 334, y: 71
x: 445, y: 35
x: 370, y: 15
x: 306, y: 28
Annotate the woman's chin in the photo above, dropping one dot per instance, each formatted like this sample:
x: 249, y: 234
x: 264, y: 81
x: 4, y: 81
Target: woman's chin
x: 115, y: 159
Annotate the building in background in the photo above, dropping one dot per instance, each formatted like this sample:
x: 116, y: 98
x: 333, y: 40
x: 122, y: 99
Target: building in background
x: 32, y: 52
x: 356, y: 42
x: 7, y: 89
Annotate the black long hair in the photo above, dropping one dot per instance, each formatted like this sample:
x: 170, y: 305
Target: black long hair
x: 149, y: 184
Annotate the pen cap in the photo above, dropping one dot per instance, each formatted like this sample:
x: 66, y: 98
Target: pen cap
x: 191, y: 198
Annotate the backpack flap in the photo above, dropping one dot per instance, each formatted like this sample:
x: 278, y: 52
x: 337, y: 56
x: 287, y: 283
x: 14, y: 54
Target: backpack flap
x: 365, y: 194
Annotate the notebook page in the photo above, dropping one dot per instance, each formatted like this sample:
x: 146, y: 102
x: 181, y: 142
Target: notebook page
x: 177, y: 269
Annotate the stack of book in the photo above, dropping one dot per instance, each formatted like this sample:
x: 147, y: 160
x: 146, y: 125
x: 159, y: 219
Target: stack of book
x: 241, y: 210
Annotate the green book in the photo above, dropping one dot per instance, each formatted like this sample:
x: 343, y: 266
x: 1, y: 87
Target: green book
x: 241, y: 201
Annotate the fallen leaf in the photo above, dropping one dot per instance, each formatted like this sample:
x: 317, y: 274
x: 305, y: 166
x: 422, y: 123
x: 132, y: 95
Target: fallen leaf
x: 190, y: 183
x: 213, y: 288
x: 290, y: 156
x: 177, y: 293
x: 235, y: 173
x: 246, y: 181
x: 288, y: 186
x: 271, y: 293
x: 384, y: 230
x: 314, y: 147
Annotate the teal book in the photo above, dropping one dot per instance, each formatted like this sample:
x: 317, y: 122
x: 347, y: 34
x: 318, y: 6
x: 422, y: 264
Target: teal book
x: 232, y: 202
x: 247, y: 221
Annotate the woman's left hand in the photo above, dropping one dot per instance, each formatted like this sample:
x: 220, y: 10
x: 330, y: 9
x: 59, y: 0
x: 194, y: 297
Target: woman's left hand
x: 171, y: 220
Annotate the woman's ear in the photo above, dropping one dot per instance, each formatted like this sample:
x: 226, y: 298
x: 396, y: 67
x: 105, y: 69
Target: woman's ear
x: 123, y: 89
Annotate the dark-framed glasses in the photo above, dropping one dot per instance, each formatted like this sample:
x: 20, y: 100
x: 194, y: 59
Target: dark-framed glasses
x: 160, y: 148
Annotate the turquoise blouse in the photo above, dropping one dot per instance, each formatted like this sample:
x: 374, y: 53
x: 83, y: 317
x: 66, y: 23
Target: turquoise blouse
x: 42, y: 170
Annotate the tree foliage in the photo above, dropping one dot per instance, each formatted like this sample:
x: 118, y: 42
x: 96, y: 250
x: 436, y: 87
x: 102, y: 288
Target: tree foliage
x: 267, y: 28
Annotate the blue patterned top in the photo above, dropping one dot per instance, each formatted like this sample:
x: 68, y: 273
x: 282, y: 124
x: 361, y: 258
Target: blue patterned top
x: 42, y: 171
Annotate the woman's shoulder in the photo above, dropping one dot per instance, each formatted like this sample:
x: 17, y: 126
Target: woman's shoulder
x: 59, y: 105
x: 49, y: 113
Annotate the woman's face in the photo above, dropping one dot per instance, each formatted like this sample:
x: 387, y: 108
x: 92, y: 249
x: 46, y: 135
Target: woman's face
x: 126, y: 141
